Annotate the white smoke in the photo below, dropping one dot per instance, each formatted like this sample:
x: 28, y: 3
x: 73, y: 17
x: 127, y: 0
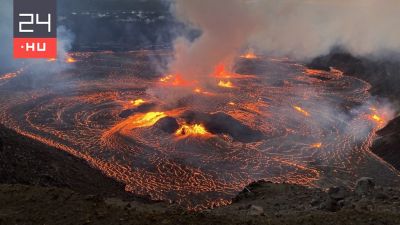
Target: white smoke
x: 300, y: 29
x: 225, y: 27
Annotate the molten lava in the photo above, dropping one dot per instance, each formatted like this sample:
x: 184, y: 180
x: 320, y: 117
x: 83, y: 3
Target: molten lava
x: 200, y: 91
x: 197, y: 90
x: 166, y: 78
x: 70, y: 60
x: 316, y: 145
x: 377, y: 118
x: 8, y: 76
x: 225, y: 84
x: 201, y: 151
x: 147, y: 119
x: 314, y: 72
x: 302, y: 111
x: 175, y: 80
x: 138, y: 102
x: 249, y: 55
x: 192, y: 130
x: 221, y: 72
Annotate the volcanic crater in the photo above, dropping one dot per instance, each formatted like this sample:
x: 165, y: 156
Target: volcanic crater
x: 272, y: 119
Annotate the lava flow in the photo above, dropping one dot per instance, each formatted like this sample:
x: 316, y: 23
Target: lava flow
x: 147, y: 119
x: 70, y: 60
x: 192, y: 130
x: 302, y: 111
x: 225, y: 84
x: 282, y: 123
x: 249, y: 55
x: 138, y: 102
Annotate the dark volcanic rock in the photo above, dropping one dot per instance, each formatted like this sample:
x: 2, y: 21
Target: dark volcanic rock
x: 221, y: 123
x: 273, y: 204
x: 364, y: 185
x: 167, y: 124
x: 329, y: 205
x: 388, y: 144
x: 146, y: 107
x: 337, y: 193
x: 27, y: 161
x: 384, y: 76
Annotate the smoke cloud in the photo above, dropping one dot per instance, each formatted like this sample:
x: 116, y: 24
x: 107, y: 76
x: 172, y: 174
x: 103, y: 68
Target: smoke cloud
x: 297, y: 29
x: 225, y: 28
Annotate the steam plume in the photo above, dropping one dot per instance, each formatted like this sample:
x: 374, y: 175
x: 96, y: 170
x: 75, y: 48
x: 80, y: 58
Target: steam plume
x: 298, y: 29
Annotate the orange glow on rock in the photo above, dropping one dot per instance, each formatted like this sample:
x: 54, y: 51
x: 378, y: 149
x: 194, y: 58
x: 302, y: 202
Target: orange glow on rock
x: 70, y: 60
x: 249, y: 54
x: 302, y: 111
x: 313, y: 72
x: 147, y: 119
x: 138, y: 102
x: 192, y: 130
x: 377, y: 118
x: 317, y: 145
x: 8, y: 76
x: 225, y: 84
x: 175, y: 80
x: 166, y: 78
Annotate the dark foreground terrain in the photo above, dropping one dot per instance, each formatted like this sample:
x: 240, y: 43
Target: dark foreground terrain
x: 29, y: 162
x: 43, y: 185
x: 263, y: 203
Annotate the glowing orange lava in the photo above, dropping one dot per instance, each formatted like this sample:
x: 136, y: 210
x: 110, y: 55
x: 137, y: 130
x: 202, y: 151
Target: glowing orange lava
x: 192, y: 130
x: 200, y: 91
x: 147, y: 119
x: 221, y: 72
x: 377, y: 118
x: 316, y: 145
x: 313, y: 72
x: 70, y: 60
x: 225, y: 84
x: 138, y: 102
x: 188, y: 163
x: 175, y: 80
x: 166, y: 78
x: 197, y: 90
x: 8, y: 76
x: 302, y: 111
x: 249, y: 55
